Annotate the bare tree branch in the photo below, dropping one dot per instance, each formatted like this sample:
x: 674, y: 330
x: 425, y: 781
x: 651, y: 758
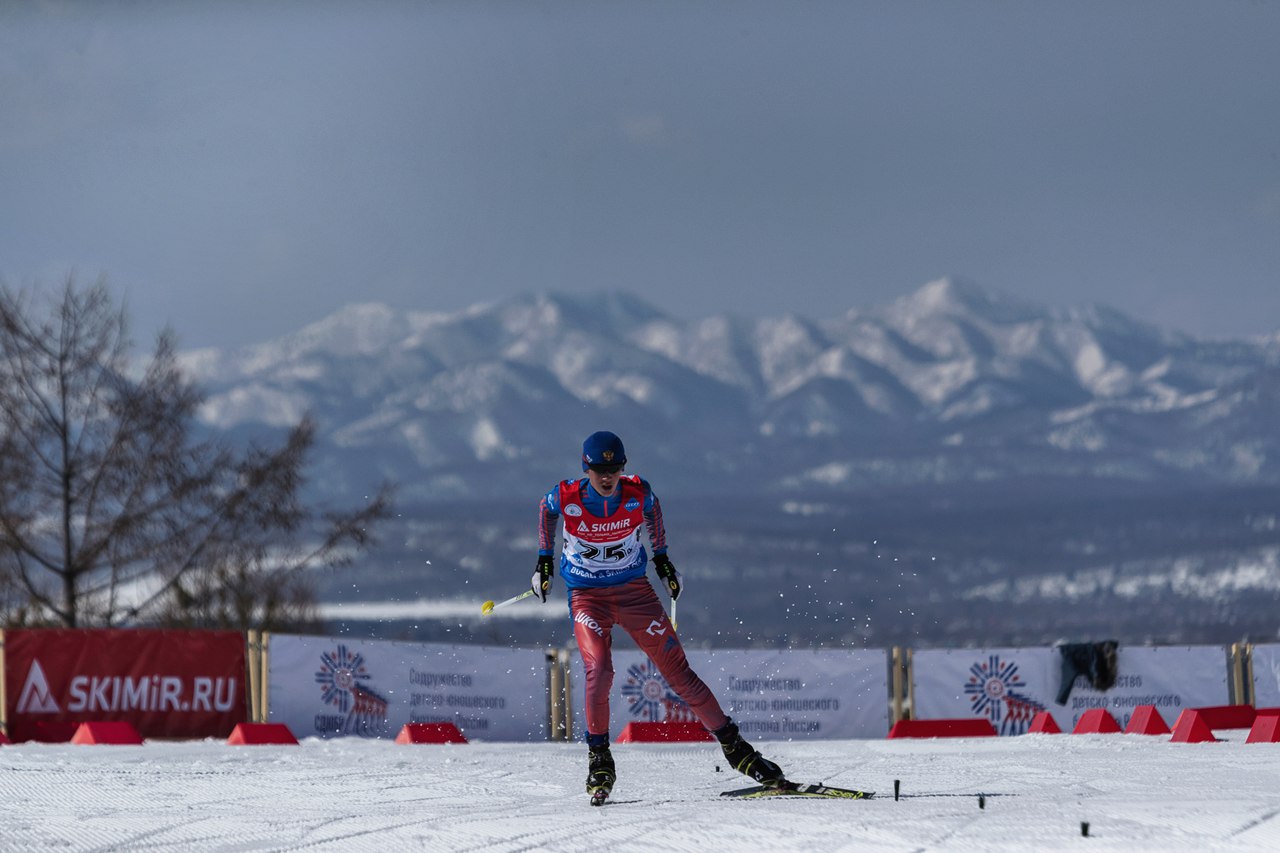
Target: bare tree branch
x: 110, y: 512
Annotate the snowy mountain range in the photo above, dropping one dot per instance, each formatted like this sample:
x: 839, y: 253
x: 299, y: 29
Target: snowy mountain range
x: 955, y: 467
x: 952, y: 383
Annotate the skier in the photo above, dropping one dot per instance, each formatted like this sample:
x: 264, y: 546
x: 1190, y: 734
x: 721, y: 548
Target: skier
x: 603, y: 566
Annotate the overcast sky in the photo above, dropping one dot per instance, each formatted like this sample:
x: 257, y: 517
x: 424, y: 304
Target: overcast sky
x: 239, y: 169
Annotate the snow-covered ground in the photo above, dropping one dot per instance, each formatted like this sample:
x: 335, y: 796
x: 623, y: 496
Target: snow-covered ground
x: 1136, y: 793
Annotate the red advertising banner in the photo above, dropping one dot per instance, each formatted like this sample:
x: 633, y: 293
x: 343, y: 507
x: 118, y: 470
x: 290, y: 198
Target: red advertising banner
x: 167, y: 684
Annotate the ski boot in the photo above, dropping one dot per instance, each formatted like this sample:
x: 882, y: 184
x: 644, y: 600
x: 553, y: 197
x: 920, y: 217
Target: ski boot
x: 600, y: 774
x: 744, y: 758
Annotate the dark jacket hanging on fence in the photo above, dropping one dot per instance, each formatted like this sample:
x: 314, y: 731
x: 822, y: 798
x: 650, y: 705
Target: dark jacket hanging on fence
x: 1097, y: 661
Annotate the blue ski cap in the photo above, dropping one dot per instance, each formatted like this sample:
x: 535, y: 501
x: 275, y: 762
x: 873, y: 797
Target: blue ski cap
x: 603, y: 448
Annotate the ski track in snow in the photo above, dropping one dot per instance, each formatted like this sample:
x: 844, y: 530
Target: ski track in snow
x: 1137, y: 793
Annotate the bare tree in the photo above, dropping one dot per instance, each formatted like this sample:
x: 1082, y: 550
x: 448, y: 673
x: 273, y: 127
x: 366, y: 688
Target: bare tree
x: 112, y: 511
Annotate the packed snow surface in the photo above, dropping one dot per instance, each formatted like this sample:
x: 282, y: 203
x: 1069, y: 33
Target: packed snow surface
x: 1136, y: 793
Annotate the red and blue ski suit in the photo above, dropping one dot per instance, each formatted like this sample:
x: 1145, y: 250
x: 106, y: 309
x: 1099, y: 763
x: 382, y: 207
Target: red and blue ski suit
x: 603, y: 566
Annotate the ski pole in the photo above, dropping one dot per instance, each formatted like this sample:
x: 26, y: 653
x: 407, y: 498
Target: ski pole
x: 673, y: 614
x: 488, y: 607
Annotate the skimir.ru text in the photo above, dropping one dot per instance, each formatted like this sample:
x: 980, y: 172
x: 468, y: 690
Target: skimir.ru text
x: 150, y: 693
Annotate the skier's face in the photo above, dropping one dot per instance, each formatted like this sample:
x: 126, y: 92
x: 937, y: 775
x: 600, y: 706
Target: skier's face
x: 604, y: 479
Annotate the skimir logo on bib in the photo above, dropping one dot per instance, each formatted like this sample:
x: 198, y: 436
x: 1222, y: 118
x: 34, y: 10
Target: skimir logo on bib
x: 605, y: 526
x: 996, y: 691
x: 362, y: 711
x: 650, y: 699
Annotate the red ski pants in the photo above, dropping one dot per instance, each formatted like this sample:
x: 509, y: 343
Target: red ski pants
x: 635, y: 608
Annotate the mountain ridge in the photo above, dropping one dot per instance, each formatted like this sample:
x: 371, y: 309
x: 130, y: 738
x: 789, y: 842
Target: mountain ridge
x: 955, y: 380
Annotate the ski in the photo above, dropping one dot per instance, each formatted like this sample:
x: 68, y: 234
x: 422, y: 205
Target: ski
x: 598, y: 796
x: 793, y: 789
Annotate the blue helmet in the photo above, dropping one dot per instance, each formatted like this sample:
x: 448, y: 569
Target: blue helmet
x: 603, y: 448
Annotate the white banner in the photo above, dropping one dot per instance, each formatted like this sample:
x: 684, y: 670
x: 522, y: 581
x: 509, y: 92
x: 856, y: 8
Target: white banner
x: 329, y: 687
x: 1008, y: 686
x: 771, y: 695
x: 1266, y: 676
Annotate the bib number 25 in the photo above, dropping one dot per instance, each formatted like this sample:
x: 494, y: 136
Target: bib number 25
x: 610, y: 553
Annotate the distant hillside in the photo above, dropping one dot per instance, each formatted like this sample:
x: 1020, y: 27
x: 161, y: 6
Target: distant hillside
x: 1035, y: 463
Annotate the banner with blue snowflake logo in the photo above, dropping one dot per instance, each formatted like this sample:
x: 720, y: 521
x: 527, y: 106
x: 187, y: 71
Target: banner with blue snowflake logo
x: 781, y: 694
x: 1009, y: 686
x: 328, y: 687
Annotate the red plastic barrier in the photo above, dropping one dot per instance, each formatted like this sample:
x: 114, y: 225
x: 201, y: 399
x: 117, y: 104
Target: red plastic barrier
x: 1146, y: 720
x: 963, y: 727
x: 258, y: 734
x: 430, y: 733
x: 1043, y: 723
x: 668, y: 732
x: 1228, y: 716
x: 1096, y: 721
x: 1266, y: 729
x: 4, y: 741
x: 115, y: 732
x: 1191, y: 728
